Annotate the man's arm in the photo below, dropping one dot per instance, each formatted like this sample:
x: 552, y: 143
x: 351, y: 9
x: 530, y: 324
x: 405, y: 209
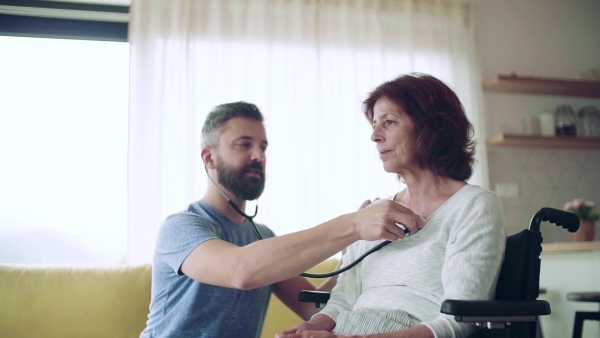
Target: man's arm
x: 287, y: 291
x: 271, y: 260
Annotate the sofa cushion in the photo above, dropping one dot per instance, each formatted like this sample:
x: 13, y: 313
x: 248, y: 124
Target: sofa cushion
x: 73, y: 302
x: 280, y: 317
x: 95, y: 302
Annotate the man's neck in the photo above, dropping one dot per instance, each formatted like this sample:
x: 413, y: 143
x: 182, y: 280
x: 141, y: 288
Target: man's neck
x: 215, y: 199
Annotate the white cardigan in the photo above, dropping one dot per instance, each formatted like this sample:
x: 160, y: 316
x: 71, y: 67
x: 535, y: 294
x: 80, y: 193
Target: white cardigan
x: 457, y: 255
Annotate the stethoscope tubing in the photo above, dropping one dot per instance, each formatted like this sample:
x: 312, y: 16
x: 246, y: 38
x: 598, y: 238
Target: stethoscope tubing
x: 307, y: 274
x: 260, y: 237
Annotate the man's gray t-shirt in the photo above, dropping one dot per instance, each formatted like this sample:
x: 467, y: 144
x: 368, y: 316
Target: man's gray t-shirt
x: 183, y: 307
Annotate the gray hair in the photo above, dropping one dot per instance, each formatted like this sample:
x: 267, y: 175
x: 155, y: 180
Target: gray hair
x: 216, y: 119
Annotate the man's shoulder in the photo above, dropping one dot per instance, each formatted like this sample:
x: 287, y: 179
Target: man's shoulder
x: 195, y: 213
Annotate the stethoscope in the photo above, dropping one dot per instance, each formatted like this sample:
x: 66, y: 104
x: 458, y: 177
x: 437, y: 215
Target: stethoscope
x: 304, y: 274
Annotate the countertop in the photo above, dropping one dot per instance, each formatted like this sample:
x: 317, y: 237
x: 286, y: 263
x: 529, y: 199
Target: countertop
x: 570, y: 246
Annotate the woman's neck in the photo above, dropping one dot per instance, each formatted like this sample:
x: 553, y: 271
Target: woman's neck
x: 426, y: 192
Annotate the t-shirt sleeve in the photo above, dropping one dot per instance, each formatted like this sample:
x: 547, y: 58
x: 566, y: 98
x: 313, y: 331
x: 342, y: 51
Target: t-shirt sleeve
x: 265, y: 231
x: 179, y: 235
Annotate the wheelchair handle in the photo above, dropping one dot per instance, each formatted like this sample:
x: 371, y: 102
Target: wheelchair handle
x: 565, y: 219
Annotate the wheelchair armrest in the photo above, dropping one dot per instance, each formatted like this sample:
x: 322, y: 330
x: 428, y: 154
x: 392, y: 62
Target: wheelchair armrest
x: 320, y: 298
x: 495, y: 310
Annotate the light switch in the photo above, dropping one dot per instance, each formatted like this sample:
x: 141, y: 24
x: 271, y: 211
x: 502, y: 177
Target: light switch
x: 507, y: 189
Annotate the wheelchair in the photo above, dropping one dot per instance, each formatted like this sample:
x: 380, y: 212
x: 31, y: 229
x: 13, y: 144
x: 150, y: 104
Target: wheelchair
x: 515, y: 309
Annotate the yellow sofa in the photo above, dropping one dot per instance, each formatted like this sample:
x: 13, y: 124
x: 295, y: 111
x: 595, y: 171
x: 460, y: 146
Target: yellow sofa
x: 94, y: 302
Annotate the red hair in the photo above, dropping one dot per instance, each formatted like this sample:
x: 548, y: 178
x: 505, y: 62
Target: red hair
x: 443, y: 134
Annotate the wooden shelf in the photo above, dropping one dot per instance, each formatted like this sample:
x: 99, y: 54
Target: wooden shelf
x: 570, y: 246
x: 519, y: 140
x: 544, y: 86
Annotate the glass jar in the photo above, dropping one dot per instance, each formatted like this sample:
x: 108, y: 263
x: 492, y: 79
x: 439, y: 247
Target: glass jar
x: 565, y: 120
x: 588, y: 119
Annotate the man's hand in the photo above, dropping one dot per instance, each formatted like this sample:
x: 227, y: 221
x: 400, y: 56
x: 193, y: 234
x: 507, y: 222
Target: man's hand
x: 367, y: 203
x: 378, y: 221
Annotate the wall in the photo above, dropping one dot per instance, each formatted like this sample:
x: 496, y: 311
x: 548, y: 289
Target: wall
x: 548, y: 38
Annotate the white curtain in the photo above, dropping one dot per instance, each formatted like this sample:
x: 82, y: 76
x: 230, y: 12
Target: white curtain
x: 307, y: 64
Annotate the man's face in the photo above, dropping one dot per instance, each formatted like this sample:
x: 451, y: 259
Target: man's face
x: 240, y: 158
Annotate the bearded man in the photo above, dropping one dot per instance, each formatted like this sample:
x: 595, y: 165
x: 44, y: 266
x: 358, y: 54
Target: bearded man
x: 211, y: 275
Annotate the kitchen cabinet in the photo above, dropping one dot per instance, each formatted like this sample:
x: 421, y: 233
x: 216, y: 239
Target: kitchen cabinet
x: 542, y: 86
x: 581, y: 263
x: 570, y: 246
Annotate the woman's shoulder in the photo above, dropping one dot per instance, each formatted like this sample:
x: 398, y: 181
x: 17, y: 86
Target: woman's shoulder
x: 474, y: 192
x: 477, y: 208
x: 479, y: 202
x: 473, y: 199
x: 473, y: 189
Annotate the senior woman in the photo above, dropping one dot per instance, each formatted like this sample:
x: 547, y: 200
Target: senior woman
x: 423, y: 135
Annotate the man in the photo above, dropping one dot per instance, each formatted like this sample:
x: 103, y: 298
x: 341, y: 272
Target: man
x: 211, y: 275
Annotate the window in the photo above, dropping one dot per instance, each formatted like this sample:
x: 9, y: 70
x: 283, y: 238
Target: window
x: 63, y: 145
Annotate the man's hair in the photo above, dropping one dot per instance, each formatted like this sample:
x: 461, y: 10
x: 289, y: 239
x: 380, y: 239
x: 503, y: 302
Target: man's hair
x: 443, y: 134
x: 216, y: 119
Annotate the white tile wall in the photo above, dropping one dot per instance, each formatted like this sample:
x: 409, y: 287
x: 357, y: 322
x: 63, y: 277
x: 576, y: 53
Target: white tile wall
x: 546, y: 178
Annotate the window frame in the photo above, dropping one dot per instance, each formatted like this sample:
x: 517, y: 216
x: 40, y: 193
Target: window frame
x: 64, y: 20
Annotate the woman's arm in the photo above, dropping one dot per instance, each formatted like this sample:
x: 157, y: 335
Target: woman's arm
x: 419, y: 331
x: 474, y: 254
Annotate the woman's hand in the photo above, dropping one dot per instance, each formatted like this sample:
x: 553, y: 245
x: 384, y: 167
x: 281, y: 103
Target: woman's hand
x: 309, y: 334
x: 318, y: 323
x: 299, y: 330
x: 294, y: 331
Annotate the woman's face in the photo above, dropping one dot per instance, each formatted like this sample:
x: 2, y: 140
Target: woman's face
x: 393, y: 131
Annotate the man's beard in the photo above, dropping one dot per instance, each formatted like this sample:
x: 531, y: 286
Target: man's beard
x: 241, y: 186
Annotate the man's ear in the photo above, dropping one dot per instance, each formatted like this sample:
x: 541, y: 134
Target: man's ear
x: 207, y: 158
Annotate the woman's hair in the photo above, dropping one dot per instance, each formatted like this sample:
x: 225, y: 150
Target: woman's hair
x: 443, y: 134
